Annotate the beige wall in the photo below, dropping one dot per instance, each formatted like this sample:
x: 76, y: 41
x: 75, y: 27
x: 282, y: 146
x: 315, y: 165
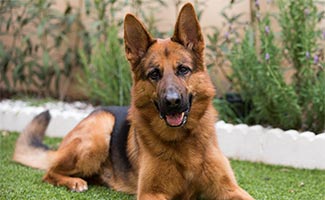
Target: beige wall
x: 211, y: 15
x: 167, y: 15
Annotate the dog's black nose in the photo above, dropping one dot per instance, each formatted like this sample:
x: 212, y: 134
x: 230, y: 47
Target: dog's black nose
x: 172, y: 99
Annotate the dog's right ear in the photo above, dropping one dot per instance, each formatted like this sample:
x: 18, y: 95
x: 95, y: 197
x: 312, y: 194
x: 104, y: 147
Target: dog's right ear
x: 136, y: 39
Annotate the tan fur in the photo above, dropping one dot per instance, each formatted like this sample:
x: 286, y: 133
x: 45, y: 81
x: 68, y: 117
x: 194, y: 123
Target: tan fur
x: 82, y: 152
x: 182, y: 162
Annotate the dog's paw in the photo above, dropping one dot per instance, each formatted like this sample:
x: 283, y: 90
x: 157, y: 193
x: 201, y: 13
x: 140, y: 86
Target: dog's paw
x: 78, y: 185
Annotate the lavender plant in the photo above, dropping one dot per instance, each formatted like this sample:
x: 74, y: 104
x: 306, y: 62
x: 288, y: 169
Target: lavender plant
x: 298, y: 20
x: 258, y: 70
x: 260, y: 82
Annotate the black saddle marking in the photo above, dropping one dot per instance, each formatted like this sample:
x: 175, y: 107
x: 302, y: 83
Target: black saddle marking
x: 118, y: 143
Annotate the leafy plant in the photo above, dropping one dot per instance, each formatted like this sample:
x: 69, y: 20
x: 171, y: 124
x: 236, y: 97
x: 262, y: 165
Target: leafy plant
x: 43, y: 54
x: 37, y: 30
x: 107, y: 78
x: 298, y: 20
x: 258, y: 72
x: 261, y: 83
x: 220, y: 41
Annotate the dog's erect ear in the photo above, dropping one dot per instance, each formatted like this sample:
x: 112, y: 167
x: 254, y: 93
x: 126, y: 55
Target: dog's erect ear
x: 136, y: 38
x: 188, y: 30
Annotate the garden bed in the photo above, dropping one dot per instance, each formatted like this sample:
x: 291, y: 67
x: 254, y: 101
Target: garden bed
x: 251, y: 143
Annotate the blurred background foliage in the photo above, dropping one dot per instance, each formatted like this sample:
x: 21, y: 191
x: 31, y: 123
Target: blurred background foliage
x: 261, y: 59
x: 273, y: 64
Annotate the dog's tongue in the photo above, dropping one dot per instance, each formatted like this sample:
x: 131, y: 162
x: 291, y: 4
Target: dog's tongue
x: 175, y: 120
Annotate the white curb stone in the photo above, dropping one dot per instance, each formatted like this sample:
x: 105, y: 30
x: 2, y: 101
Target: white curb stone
x: 272, y: 146
x: 15, y: 115
x: 251, y: 143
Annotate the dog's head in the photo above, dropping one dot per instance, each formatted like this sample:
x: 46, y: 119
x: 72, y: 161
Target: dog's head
x: 169, y: 73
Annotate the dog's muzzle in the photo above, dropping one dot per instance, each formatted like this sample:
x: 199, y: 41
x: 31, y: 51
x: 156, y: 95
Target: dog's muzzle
x: 174, y: 108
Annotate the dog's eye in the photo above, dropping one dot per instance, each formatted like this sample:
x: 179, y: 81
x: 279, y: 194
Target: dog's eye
x: 183, y: 70
x: 154, y: 75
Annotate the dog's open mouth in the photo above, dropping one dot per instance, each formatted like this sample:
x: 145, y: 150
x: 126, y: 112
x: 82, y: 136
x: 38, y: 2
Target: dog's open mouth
x: 175, y: 120
x: 175, y: 117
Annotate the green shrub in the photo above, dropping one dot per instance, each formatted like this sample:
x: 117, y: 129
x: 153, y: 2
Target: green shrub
x: 258, y: 73
x: 107, y: 78
x: 261, y: 83
x: 36, y: 30
x: 42, y: 51
x: 298, y: 20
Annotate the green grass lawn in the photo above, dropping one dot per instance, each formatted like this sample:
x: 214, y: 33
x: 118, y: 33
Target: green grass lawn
x: 261, y: 181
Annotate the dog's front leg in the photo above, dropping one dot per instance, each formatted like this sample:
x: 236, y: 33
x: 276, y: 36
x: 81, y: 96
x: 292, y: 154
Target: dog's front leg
x: 218, y: 179
x: 159, y: 179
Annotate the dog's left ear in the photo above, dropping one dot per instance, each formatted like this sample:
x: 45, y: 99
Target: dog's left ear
x: 188, y: 31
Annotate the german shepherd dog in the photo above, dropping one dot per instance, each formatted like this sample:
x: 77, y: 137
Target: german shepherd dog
x: 164, y: 146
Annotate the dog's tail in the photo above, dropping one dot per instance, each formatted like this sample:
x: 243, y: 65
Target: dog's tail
x: 29, y: 149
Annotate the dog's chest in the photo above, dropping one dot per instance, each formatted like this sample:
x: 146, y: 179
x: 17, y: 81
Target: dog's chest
x: 192, y: 168
x: 189, y: 175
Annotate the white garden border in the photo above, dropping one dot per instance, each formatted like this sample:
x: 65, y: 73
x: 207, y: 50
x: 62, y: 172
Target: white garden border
x: 252, y: 143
